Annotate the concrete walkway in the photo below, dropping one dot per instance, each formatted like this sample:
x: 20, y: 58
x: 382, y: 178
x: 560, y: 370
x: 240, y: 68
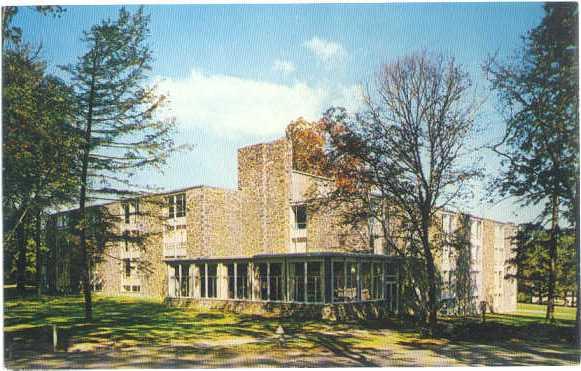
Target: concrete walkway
x: 235, y: 353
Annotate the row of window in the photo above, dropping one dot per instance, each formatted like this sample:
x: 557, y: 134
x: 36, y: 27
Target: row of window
x: 176, y: 207
x: 302, y: 281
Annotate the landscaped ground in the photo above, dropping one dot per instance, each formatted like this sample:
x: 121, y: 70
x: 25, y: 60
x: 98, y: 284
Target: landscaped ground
x: 130, y: 332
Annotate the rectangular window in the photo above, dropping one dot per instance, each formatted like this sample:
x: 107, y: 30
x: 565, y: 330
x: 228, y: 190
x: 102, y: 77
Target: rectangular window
x: 127, y: 264
x: 365, y: 281
x: 176, y: 205
x: 338, y: 281
x: 212, y: 280
x: 242, y: 291
x: 171, y: 207
x: 61, y: 221
x: 263, y: 280
x: 314, y: 282
x: 130, y: 208
x: 300, y: 213
x: 135, y: 288
x: 127, y: 288
x: 276, y: 281
x: 297, y: 281
x: 176, y: 280
x: 377, y: 277
x: 180, y: 205
x: 390, y: 296
x: 202, y: 269
x: 351, y: 282
x: 185, y: 280
x: 231, y: 281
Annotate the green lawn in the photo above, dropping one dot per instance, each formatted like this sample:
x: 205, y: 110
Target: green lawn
x: 128, y: 330
x: 538, y: 311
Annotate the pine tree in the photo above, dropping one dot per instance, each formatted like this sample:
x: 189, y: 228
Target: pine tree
x: 118, y: 113
x: 539, y: 93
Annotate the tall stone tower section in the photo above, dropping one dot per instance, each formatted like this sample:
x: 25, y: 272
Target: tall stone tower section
x: 264, y: 179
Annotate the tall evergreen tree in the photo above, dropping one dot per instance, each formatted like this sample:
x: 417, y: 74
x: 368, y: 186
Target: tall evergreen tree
x: 118, y: 113
x: 538, y: 90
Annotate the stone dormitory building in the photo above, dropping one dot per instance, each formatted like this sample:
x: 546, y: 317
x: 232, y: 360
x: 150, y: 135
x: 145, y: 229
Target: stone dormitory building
x: 259, y: 247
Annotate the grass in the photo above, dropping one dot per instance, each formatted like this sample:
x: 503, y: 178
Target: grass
x: 131, y: 323
x: 538, y: 311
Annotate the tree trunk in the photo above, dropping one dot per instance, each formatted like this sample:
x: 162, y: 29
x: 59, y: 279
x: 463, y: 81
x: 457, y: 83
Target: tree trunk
x: 38, y: 255
x: 553, y: 258
x: 82, y: 199
x: 577, y: 257
x: 431, y: 271
x: 21, y: 264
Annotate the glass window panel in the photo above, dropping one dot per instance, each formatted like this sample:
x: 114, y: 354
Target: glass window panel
x: 242, y: 291
x: 185, y: 280
x: 263, y: 280
x: 377, y: 281
x: 297, y: 281
x: 351, y: 282
x: 366, y: 281
x: 171, y: 208
x: 338, y: 281
x: 314, y: 282
x: 230, y: 273
x: 276, y: 281
x: 212, y: 280
x: 202, y: 268
x: 300, y: 216
x: 180, y: 205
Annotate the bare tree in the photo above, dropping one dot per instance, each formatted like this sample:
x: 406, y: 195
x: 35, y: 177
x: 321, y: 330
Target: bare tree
x: 407, y: 147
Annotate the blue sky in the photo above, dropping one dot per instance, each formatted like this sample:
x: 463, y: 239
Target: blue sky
x: 237, y: 74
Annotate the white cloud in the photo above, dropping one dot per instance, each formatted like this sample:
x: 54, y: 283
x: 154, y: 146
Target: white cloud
x: 232, y: 105
x: 240, y: 106
x: 326, y: 51
x: 285, y: 67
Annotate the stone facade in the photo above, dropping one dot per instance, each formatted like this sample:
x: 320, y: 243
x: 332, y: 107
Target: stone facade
x: 491, y: 252
x: 259, y: 217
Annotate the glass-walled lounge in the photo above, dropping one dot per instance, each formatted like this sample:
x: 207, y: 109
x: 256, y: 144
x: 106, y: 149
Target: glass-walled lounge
x: 316, y: 278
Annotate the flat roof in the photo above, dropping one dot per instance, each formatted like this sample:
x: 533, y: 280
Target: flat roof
x: 321, y: 254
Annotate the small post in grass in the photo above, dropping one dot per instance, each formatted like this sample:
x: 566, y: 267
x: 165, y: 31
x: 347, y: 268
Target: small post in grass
x: 54, y: 337
x: 483, y: 305
x: 280, y: 334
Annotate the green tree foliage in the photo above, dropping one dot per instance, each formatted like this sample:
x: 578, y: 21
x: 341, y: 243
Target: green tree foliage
x: 118, y: 113
x: 532, y: 260
x: 40, y: 146
x: 538, y: 90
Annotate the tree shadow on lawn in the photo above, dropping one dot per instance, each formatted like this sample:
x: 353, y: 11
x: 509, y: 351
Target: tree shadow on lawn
x: 497, y: 343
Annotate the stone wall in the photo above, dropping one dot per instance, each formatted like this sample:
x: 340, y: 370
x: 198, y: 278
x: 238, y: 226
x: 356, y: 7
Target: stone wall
x: 496, y: 251
x: 264, y: 183
x: 213, y: 223
x: 151, y: 271
x: 325, y: 229
x: 331, y: 312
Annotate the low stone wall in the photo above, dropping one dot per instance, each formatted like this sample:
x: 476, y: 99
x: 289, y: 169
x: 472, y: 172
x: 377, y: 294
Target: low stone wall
x: 332, y: 312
